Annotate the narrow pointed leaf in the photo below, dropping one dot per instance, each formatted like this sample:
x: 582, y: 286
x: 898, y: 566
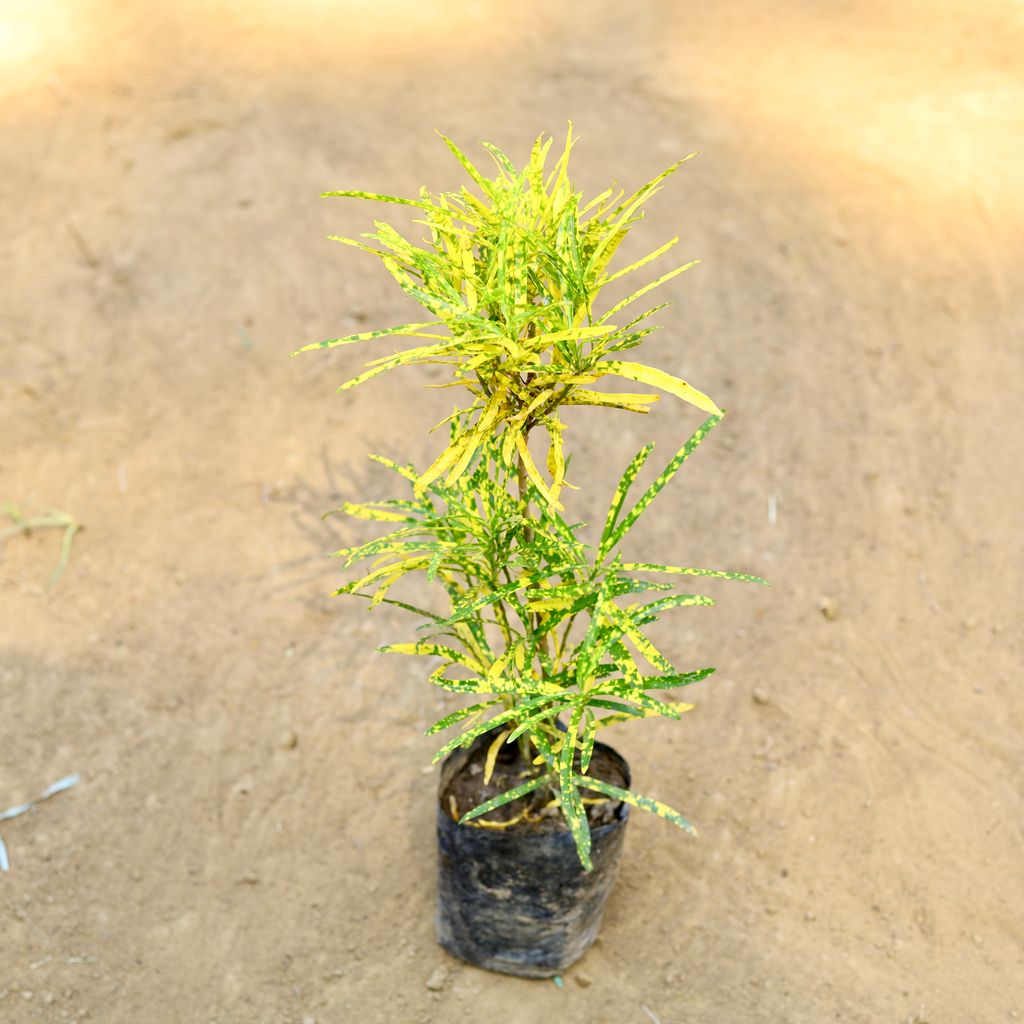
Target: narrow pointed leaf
x: 506, y: 798
x: 680, y: 570
x: 665, y: 381
x: 645, y: 803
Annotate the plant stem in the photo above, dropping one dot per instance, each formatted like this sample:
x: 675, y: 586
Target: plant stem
x: 528, y: 533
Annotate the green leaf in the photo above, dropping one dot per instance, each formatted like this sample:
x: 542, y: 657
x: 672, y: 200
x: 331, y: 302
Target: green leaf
x: 376, y: 196
x: 507, y: 797
x: 464, y: 611
x: 574, y: 812
x: 614, y: 536
x: 620, y: 493
x: 460, y: 715
x: 640, y: 292
x: 587, y: 742
x: 676, y: 680
x: 645, y: 803
x: 484, y: 184
x: 527, y: 724
x: 408, y: 330
x: 469, y: 735
x: 685, y: 571
x: 645, y: 613
x: 437, y: 650
x: 640, y: 263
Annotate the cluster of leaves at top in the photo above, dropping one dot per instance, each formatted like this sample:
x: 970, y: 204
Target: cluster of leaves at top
x: 510, y: 278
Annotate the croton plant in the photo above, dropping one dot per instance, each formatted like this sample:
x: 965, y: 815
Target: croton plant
x: 544, y: 633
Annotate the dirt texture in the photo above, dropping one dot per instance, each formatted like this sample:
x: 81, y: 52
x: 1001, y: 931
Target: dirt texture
x: 252, y: 838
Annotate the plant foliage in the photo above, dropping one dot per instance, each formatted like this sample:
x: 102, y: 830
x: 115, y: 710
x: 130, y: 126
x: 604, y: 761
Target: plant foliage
x: 513, y: 277
x: 544, y: 634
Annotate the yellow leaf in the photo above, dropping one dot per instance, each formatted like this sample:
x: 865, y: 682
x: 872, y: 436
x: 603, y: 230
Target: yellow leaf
x: 450, y: 455
x: 376, y: 514
x: 492, y: 754
x: 495, y: 406
x: 556, y: 458
x: 630, y: 401
x: 534, y: 475
x: 659, y: 379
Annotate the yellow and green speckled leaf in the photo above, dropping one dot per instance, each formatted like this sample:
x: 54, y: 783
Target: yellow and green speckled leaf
x: 572, y: 806
x: 639, y: 263
x: 461, y: 715
x: 379, y: 515
x: 506, y: 798
x: 469, y: 735
x: 609, y: 540
x: 407, y: 330
x: 436, y: 650
x: 680, y: 570
x: 645, y: 803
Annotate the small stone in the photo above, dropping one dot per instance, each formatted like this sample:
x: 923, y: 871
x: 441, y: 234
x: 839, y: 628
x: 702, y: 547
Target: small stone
x: 48, y: 998
x: 27, y: 994
x: 288, y: 740
x: 438, y: 979
x: 828, y: 608
x: 583, y: 980
x: 250, y: 878
x: 760, y: 695
x: 810, y: 915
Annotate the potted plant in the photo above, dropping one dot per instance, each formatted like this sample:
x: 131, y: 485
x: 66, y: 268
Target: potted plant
x: 533, y: 633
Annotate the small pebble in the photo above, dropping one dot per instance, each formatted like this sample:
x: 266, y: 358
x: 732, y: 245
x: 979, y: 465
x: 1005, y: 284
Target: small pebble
x: 828, y: 608
x: 810, y: 916
x: 250, y: 878
x: 438, y: 978
x: 289, y: 741
x: 27, y: 994
x: 760, y: 695
x: 48, y: 998
x: 583, y: 980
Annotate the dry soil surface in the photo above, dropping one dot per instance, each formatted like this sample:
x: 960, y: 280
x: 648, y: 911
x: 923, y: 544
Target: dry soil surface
x: 251, y: 840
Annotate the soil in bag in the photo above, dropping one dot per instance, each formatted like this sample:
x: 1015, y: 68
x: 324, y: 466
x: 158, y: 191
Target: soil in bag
x: 516, y: 898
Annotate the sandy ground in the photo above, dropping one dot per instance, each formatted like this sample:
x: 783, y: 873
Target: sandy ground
x: 856, y: 777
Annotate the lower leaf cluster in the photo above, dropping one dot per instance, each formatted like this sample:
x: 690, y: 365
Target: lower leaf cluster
x: 548, y: 629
